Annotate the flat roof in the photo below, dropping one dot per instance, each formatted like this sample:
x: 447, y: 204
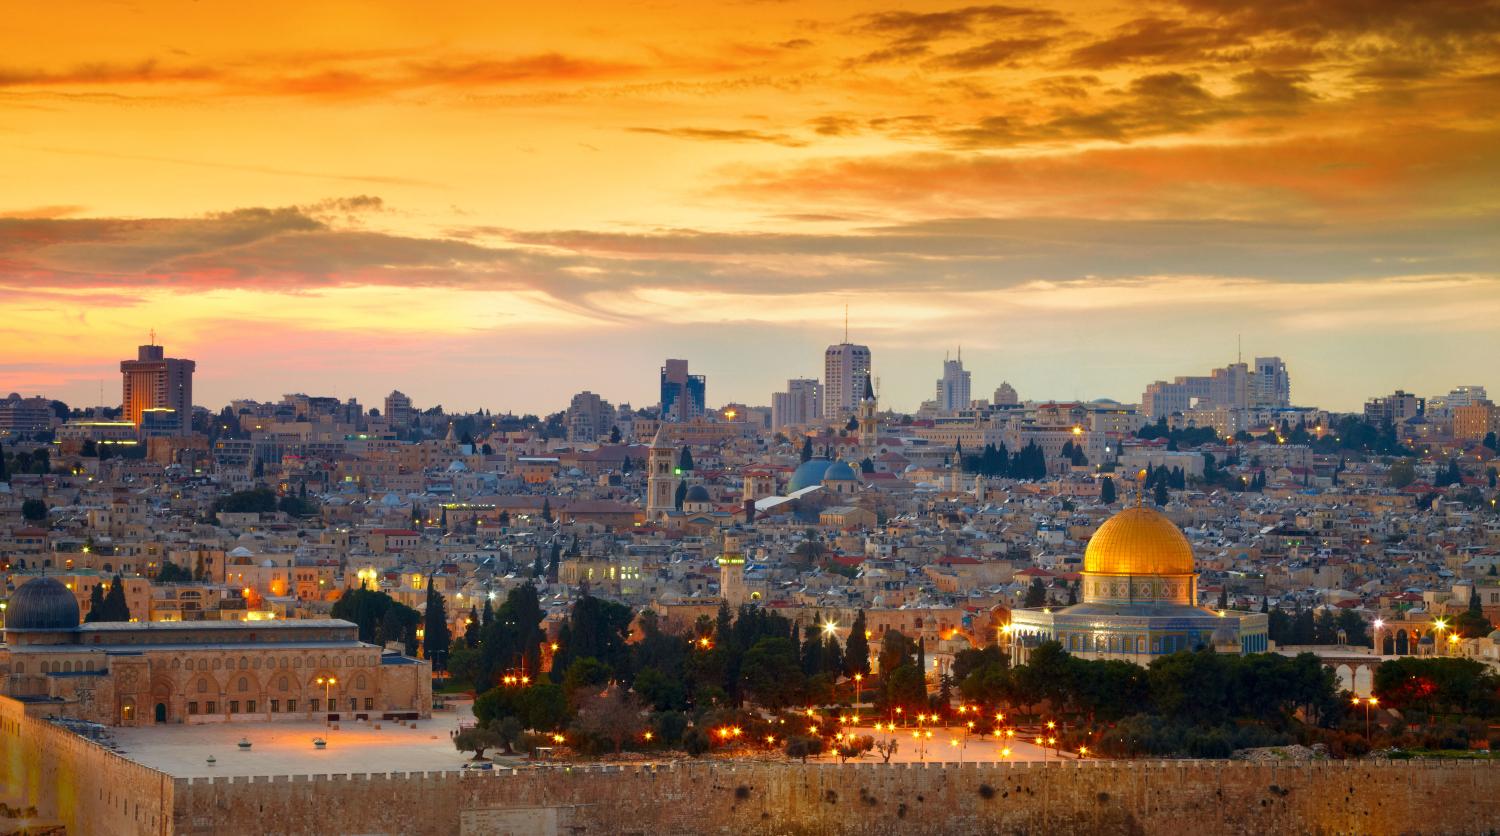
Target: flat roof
x: 172, y: 626
x: 138, y: 649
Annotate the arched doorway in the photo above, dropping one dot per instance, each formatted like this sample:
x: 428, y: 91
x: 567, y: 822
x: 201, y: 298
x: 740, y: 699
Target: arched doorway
x: 1403, y: 646
x: 1387, y: 646
x: 161, y: 712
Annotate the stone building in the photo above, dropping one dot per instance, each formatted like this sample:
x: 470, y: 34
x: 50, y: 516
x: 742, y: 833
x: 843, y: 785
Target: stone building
x: 1139, y: 586
x: 139, y: 673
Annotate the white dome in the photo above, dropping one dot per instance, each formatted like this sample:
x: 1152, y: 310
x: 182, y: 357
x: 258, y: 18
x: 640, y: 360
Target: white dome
x: 268, y: 563
x: 241, y: 552
x: 457, y: 467
x: 575, y: 472
x: 390, y: 499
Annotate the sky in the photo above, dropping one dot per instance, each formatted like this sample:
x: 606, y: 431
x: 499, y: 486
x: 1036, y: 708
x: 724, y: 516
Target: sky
x: 500, y: 205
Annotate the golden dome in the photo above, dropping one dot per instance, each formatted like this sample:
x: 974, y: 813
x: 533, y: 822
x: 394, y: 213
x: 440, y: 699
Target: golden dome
x: 1138, y: 541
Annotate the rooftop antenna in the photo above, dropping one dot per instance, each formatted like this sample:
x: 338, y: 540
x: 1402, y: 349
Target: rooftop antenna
x: 153, y: 336
x: 1239, y: 348
x: 846, y: 323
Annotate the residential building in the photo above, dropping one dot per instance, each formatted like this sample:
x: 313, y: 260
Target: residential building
x: 1394, y: 409
x: 589, y: 418
x: 1271, y: 386
x: 398, y: 410
x: 801, y: 403
x: 154, y: 381
x: 846, y: 373
x: 1006, y: 396
x: 953, y: 386
x: 18, y: 414
x: 1476, y: 421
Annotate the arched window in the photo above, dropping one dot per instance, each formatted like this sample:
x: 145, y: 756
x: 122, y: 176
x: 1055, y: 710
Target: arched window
x: 297, y: 662
x: 216, y: 664
x: 337, y: 662
x: 349, y: 662
x: 361, y: 661
x: 244, y: 684
x: 256, y: 664
x: 176, y: 664
x: 360, y: 682
x: 20, y: 667
x: 244, y: 663
x: 284, y: 661
x: 203, y: 685
x: 91, y: 666
x: 67, y: 667
x: 284, y: 684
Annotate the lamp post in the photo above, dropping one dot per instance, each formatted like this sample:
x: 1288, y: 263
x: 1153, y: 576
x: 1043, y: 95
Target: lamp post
x: 326, y: 682
x: 1368, y: 704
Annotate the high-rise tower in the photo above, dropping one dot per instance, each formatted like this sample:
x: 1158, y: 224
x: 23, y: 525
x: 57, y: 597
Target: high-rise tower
x: 155, y: 381
x: 953, y: 386
x: 846, y: 374
x: 869, y: 440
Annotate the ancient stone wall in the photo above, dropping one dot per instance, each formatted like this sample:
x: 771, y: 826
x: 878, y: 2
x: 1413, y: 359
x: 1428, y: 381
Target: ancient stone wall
x: 1174, y: 798
x: 86, y: 786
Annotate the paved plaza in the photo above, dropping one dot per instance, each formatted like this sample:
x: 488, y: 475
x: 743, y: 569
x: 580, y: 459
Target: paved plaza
x: 287, y: 748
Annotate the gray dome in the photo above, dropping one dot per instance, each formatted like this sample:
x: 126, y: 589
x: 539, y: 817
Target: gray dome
x: 808, y: 474
x: 839, y: 471
x: 697, y: 493
x: 42, y: 604
x: 1224, y: 636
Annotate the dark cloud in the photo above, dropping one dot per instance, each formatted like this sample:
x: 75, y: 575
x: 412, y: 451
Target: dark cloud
x: 796, y: 43
x: 836, y: 125
x: 1155, y: 41
x: 1002, y: 51
x: 1261, y: 86
x: 1313, y: 20
x: 919, y: 27
x: 720, y: 135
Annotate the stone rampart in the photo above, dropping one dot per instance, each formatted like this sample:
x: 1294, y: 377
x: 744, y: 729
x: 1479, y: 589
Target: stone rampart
x: 1092, y: 798
x: 84, y: 785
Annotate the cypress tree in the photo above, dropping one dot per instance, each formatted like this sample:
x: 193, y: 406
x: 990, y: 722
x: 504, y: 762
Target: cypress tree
x: 115, y: 606
x: 681, y: 494
x: 436, y: 637
x: 471, y: 630
x: 488, y: 615
x: 857, y: 650
x: 1107, y: 491
x: 807, y: 448
x: 96, y: 602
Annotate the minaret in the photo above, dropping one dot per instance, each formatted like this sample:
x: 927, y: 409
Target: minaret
x: 661, y: 486
x: 732, y: 572
x: 868, y: 441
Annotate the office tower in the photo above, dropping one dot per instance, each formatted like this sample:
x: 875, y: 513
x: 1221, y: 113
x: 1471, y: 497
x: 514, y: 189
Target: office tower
x: 1227, y: 388
x: 801, y: 403
x: 682, y: 394
x: 397, y: 409
x: 1394, y: 409
x: 846, y: 373
x: 953, y: 386
x: 1271, y: 387
x: 1006, y: 396
x: 155, y: 381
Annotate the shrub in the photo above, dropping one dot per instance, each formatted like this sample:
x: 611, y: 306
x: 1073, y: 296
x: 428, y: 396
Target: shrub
x: 696, y: 743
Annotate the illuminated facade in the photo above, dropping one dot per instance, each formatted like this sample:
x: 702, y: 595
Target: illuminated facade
x: 1139, y: 585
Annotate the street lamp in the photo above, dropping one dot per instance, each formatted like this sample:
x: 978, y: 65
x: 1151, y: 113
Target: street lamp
x: 326, y: 682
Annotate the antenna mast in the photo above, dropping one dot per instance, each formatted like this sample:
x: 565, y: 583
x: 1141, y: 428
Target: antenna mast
x: 846, y: 323
x: 153, y: 336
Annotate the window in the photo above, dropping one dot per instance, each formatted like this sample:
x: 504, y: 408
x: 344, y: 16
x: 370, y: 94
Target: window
x: 369, y: 703
x: 211, y: 708
x: 217, y: 664
x: 192, y: 708
x: 359, y: 683
x: 353, y: 704
x: 349, y: 662
x: 244, y: 684
x: 291, y: 705
x: 361, y: 661
x: 314, y: 705
x: 250, y: 707
x: 256, y: 663
x: 275, y: 706
x: 234, y: 706
x: 203, y: 686
x: 244, y: 663
x: 283, y: 685
x: 20, y: 667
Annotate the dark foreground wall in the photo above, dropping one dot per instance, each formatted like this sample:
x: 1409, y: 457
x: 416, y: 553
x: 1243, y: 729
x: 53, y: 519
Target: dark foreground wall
x: 1175, y: 798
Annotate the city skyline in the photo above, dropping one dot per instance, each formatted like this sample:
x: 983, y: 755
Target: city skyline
x: 1089, y: 196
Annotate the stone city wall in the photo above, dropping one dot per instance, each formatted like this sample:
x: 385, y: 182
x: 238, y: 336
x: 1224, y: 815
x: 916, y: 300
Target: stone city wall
x: 1093, y: 798
x: 86, y: 786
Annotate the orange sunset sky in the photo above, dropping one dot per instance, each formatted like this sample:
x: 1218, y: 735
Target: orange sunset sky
x: 501, y: 204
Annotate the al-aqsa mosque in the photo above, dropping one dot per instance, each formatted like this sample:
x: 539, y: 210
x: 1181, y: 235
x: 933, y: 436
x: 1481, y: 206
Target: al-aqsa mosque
x: 1139, y: 589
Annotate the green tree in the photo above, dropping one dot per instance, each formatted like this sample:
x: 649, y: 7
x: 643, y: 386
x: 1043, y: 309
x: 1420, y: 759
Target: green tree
x: 1036, y: 594
x: 547, y: 510
x: 1107, y: 490
x: 34, y: 510
x: 857, y: 649
x: 907, y: 688
x: 96, y: 603
x: 686, y: 462
x: 771, y: 674
x: 254, y: 501
x: 1401, y: 474
x: 681, y: 493
x: 437, y: 639
x: 614, y: 434
x: 1159, y: 495
x: 116, y: 608
x: 477, y: 740
x: 807, y: 451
